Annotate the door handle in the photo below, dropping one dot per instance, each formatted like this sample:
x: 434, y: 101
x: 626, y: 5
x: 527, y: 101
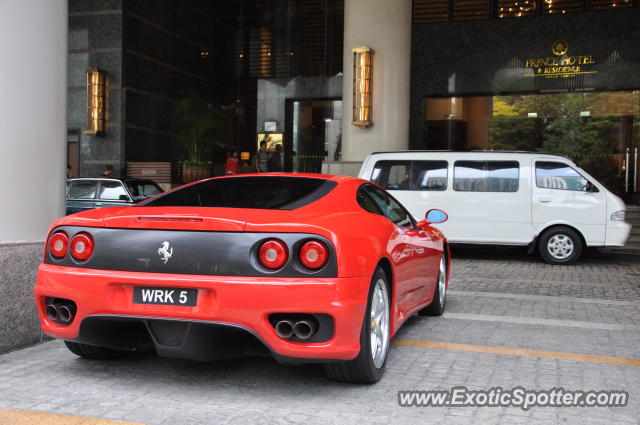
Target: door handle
x: 544, y: 199
x: 98, y: 203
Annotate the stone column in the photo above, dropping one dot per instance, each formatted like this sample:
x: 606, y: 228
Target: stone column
x: 384, y: 26
x: 33, y: 76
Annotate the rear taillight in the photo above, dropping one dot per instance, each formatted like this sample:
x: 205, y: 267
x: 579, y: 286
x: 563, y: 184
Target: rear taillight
x: 58, y: 244
x: 273, y: 254
x: 81, y: 246
x: 314, y: 254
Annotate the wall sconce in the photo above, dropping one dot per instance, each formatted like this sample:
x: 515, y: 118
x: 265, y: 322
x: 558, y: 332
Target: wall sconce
x: 96, y: 101
x: 362, y: 74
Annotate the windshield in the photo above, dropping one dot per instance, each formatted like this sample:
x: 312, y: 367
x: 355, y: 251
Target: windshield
x: 277, y: 193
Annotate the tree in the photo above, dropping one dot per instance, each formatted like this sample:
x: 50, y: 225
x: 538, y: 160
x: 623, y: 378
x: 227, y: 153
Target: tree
x: 198, y: 121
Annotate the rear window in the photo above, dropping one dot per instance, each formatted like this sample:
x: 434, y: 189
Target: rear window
x: 272, y: 193
x: 82, y: 190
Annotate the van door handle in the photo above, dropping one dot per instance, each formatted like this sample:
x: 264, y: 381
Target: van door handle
x: 544, y: 199
x: 98, y: 203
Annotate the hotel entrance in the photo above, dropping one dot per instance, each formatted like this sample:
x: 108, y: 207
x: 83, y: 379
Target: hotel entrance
x: 598, y: 130
x: 313, y: 129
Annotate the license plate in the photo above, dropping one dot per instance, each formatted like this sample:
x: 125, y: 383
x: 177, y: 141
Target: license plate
x: 165, y: 296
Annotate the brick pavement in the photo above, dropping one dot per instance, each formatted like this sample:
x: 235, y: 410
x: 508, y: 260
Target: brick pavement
x: 559, y: 308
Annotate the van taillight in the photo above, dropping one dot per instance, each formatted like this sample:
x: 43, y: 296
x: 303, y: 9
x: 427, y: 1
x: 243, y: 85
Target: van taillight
x: 82, y: 246
x: 273, y: 254
x: 58, y: 244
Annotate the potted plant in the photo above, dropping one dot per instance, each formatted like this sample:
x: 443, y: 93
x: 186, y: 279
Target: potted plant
x: 199, y: 121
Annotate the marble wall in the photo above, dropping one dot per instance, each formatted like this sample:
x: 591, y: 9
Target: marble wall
x: 489, y: 57
x: 95, y: 40
x: 273, y: 93
x: 20, y: 325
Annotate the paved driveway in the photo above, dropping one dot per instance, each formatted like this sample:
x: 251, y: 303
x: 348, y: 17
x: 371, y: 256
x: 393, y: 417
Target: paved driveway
x: 511, y: 320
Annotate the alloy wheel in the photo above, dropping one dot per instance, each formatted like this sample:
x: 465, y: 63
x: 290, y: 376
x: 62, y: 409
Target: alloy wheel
x: 379, y: 323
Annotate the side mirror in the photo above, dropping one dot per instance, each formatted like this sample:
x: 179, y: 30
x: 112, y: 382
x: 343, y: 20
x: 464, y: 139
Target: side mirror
x: 435, y: 216
x: 123, y: 198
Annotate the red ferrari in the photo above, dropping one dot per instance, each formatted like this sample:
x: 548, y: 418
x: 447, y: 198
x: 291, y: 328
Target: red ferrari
x: 305, y: 267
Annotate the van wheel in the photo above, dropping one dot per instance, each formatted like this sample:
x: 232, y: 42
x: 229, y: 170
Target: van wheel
x: 560, y: 245
x: 368, y: 367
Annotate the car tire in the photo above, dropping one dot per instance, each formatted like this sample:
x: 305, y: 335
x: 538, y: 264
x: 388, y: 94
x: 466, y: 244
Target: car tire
x: 94, y: 352
x: 560, y: 245
x: 436, y: 308
x: 369, y: 366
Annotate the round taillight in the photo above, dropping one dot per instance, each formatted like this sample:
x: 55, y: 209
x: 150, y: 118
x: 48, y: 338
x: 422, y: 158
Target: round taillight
x: 314, y: 254
x: 58, y: 244
x: 82, y: 246
x: 273, y: 254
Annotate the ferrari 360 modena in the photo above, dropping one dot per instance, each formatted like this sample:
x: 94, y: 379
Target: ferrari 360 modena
x: 304, y: 267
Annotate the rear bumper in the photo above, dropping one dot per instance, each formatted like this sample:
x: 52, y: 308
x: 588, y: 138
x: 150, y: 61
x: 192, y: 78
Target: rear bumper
x: 104, y: 297
x: 617, y: 233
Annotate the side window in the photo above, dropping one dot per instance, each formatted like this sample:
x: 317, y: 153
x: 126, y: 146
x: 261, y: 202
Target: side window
x: 556, y: 175
x: 392, y: 175
x: 82, y: 190
x: 365, y: 201
x: 112, y: 191
x: 389, y: 207
x: 411, y: 175
x: 429, y: 175
x: 486, y: 176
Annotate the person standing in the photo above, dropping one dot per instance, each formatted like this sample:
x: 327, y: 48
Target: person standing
x: 262, y: 158
x: 232, y: 165
x: 108, y: 171
x: 276, y: 162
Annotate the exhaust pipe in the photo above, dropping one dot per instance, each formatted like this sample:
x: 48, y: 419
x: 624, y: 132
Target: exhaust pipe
x: 284, y: 329
x: 65, y: 313
x: 51, y: 312
x: 305, y: 329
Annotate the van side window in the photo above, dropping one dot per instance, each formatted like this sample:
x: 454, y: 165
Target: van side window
x: 411, y: 175
x: 486, y: 176
x: 556, y: 175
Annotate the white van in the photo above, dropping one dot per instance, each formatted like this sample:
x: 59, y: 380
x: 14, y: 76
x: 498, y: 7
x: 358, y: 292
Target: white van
x: 505, y: 198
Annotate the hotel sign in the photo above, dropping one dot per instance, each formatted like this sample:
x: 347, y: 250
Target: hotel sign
x: 561, y: 65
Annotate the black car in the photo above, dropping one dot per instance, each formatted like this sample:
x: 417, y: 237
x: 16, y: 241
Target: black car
x: 87, y: 193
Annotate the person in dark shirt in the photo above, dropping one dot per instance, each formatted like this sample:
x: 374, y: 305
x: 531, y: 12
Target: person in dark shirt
x: 276, y: 161
x: 262, y: 158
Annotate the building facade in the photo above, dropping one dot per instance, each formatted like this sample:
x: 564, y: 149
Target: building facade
x: 560, y: 77
x: 557, y: 76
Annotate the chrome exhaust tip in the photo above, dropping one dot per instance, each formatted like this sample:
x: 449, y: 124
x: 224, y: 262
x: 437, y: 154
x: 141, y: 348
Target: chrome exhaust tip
x: 65, y: 315
x: 51, y: 311
x: 304, y: 329
x: 284, y: 329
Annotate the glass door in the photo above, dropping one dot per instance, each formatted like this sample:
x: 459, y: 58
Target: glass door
x: 599, y: 130
x: 316, y: 131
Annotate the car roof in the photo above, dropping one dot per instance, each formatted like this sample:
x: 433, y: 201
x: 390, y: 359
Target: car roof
x: 474, y: 152
x: 133, y: 179
x: 94, y: 179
